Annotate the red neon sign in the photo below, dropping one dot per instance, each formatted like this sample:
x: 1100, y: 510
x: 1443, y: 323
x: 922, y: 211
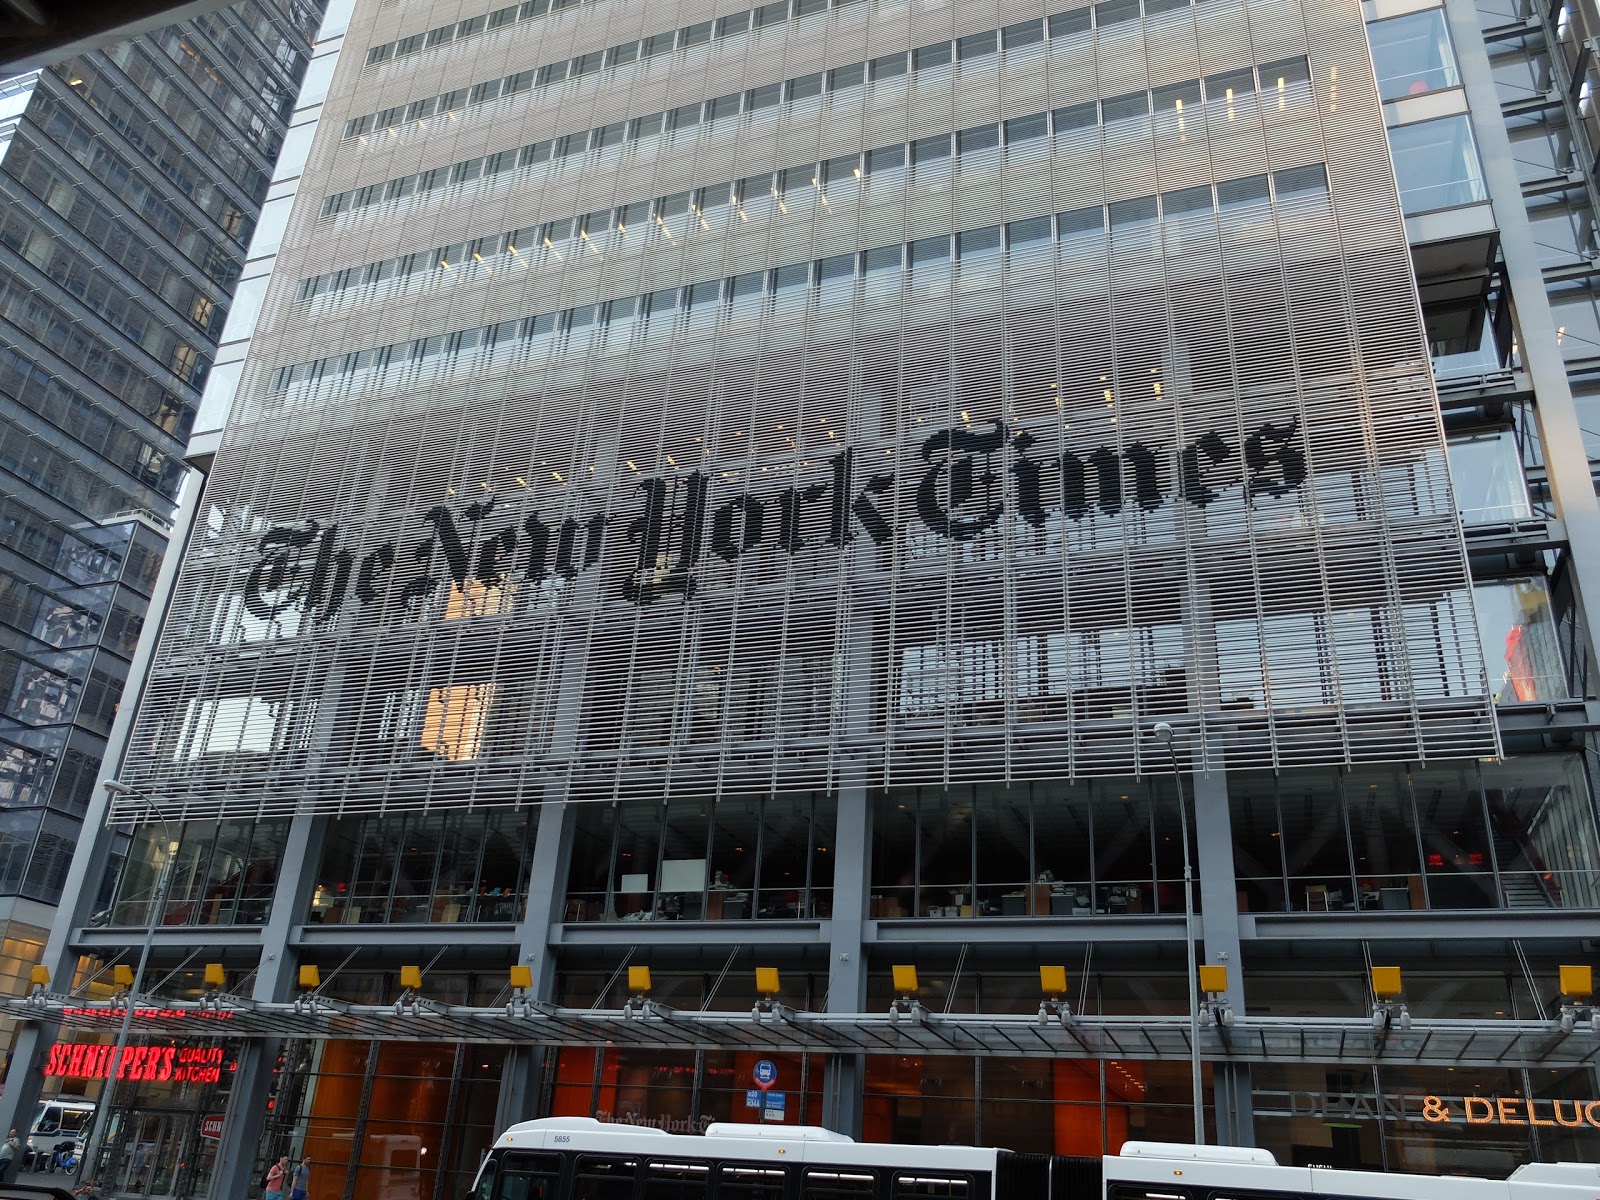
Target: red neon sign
x: 160, y: 1064
x: 155, y: 1014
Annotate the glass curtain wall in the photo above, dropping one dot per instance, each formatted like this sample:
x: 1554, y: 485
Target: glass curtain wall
x: 425, y: 867
x: 1096, y: 848
x: 766, y: 857
x: 224, y: 872
x: 1513, y: 834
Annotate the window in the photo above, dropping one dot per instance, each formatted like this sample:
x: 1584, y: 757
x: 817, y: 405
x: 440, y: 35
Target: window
x: 847, y: 77
x: 1026, y: 129
x: 1486, y: 470
x: 888, y: 158
x: 1025, y: 33
x: 598, y: 1178
x: 805, y: 87
x: 908, y: 1185
x: 1436, y: 164
x: 1237, y: 193
x: 935, y: 55
x: 1062, y: 24
x: 1114, y: 12
x: 1186, y: 202
x: 1309, y: 180
x: 974, y: 141
x: 765, y: 96
x: 1082, y: 221
x: 1412, y: 54
x: 836, y: 1184
x: 677, y: 1181
x: 738, y: 1182
x: 930, y: 151
x: 695, y: 35
x: 976, y: 45
x: 1125, y: 107
x: 1077, y: 117
x: 887, y: 67
x: 1023, y: 234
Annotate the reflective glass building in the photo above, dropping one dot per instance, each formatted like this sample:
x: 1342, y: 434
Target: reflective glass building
x: 827, y: 486
x: 131, y: 180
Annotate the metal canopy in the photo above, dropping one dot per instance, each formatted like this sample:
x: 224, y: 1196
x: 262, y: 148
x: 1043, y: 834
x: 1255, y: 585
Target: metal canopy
x: 648, y: 1025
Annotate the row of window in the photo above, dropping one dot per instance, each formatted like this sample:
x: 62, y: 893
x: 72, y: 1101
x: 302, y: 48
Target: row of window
x: 219, y: 141
x: 501, y: 17
x: 80, y: 136
x: 973, y: 249
x: 1227, y: 92
x: 1024, y: 33
x: 603, y: 1177
x: 177, y: 234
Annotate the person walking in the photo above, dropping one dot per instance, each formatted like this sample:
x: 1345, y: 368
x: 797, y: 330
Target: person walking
x: 302, y: 1179
x: 10, y: 1156
x: 277, y: 1175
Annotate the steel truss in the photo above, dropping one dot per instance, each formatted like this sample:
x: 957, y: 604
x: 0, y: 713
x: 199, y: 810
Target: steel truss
x: 909, y: 1029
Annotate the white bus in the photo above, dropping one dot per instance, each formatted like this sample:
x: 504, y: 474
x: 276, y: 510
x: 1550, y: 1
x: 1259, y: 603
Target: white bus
x: 579, y: 1158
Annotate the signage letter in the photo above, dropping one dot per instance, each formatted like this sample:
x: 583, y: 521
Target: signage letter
x: 1533, y: 1114
x: 1276, y: 467
x: 280, y: 558
x: 1577, y: 1114
x: 736, y: 527
x: 1488, y: 1110
x: 1507, y: 1105
x: 1194, y: 486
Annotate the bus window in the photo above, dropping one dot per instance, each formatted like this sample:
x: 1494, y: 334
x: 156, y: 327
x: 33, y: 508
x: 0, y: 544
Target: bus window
x: 916, y: 1184
x: 737, y: 1182
x: 842, y: 1184
x: 1140, y: 1192
x: 48, y: 1119
x: 599, y: 1178
x: 522, y: 1177
x: 676, y: 1181
x: 486, y: 1180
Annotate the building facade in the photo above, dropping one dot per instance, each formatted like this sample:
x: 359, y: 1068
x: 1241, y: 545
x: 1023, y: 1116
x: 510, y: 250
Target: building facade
x: 828, y: 486
x: 131, y: 181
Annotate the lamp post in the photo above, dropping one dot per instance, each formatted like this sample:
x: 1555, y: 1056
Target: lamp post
x: 97, y: 1131
x: 1165, y: 733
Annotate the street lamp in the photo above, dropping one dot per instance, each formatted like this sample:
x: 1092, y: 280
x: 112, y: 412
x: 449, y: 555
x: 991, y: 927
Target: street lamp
x: 97, y: 1131
x: 1165, y: 732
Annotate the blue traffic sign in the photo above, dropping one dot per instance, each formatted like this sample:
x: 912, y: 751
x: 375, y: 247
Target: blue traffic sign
x: 777, y: 1100
x: 765, y: 1073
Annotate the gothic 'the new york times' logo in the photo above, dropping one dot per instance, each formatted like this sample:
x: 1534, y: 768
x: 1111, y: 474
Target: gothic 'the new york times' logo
x: 966, y: 482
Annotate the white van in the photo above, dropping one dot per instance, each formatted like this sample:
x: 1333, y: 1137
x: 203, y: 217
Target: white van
x: 56, y: 1121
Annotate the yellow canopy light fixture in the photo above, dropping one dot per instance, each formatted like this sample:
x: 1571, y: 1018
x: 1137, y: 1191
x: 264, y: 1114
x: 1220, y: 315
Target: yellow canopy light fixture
x: 1215, y: 1009
x: 39, y: 975
x: 1577, y: 989
x: 215, y: 976
x: 906, y: 1003
x: 122, y: 977
x: 522, y: 977
x: 767, y: 981
x: 411, y: 977
x: 310, y: 976
x: 1387, y: 1006
x: 1054, y: 1006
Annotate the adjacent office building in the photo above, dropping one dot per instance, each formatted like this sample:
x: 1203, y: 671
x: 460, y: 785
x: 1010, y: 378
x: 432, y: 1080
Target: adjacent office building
x: 131, y: 180
x: 825, y: 486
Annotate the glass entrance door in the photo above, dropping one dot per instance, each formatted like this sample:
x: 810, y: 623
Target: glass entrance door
x: 149, y: 1152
